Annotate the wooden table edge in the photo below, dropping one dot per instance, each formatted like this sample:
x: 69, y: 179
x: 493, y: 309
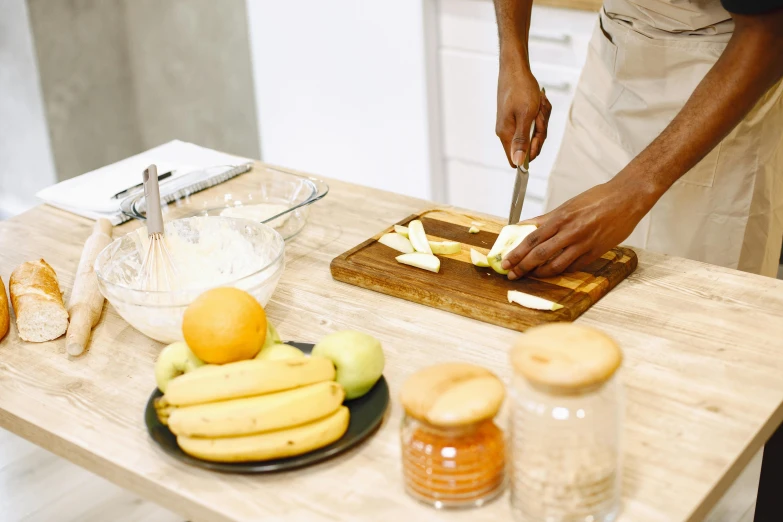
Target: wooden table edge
x: 135, y: 482
x: 735, y: 469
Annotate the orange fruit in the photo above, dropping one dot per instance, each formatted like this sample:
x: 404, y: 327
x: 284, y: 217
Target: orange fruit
x: 224, y: 325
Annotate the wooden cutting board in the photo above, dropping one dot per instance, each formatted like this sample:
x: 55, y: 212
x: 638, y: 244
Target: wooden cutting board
x: 476, y: 292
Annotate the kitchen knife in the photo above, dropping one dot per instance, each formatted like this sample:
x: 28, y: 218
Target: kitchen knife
x: 520, y: 185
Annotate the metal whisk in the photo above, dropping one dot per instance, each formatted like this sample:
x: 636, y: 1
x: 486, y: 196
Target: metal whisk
x: 158, y: 272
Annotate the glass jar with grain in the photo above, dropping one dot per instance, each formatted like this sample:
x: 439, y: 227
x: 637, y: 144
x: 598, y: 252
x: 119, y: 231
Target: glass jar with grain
x: 454, y: 454
x: 565, y: 425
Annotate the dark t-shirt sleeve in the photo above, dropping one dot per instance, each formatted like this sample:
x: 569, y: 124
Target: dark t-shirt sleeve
x: 751, y: 7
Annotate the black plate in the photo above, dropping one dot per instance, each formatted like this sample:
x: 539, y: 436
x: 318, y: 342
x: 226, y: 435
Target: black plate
x: 366, y: 415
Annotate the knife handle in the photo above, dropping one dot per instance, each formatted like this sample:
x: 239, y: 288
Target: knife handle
x: 526, y: 163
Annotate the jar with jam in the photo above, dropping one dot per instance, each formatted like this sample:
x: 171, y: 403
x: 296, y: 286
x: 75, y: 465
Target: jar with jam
x: 454, y: 454
x: 565, y: 425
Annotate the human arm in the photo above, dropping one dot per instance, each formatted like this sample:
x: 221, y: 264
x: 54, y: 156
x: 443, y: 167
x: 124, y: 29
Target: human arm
x: 520, y: 100
x: 583, y: 228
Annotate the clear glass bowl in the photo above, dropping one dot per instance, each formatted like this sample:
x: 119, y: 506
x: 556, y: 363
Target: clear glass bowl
x: 275, y: 197
x: 159, y: 314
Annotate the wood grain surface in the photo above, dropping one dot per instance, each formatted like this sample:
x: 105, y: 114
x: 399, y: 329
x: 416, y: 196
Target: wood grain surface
x: 702, y: 377
x: 478, y: 293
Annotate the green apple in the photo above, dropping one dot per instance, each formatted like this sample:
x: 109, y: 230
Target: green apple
x: 419, y: 260
x: 418, y: 237
x: 446, y: 248
x: 397, y: 242
x: 478, y: 259
x: 358, y: 358
x: 174, y: 360
x: 272, y: 337
x: 401, y: 230
x: 279, y: 351
x: 531, y: 301
x: 509, y: 238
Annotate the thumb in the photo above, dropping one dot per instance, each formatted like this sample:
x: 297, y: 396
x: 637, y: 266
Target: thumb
x: 520, y: 144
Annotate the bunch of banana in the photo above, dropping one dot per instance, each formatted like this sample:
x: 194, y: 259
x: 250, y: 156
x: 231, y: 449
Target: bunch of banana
x: 256, y: 409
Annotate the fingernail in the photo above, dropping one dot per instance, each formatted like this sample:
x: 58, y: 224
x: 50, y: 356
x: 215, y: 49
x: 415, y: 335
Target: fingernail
x: 505, y: 265
x: 518, y: 158
x: 511, y: 276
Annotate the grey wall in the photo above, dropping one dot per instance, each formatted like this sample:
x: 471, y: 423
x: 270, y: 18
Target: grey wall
x: 121, y: 76
x: 192, y: 73
x: 26, y: 164
x: 86, y: 81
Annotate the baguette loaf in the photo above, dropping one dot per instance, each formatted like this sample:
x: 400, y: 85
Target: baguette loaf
x: 38, y: 303
x: 5, y: 319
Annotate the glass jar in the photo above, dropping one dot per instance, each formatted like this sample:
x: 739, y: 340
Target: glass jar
x: 453, y: 452
x: 453, y: 467
x: 565, y: 426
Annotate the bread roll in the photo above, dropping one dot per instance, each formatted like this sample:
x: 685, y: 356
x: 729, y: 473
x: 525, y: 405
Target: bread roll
x: 5, y: 319
x: 37, y: 302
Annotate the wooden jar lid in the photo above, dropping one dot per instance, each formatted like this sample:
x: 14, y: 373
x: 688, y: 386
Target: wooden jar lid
x: 452, y: 394
x: 565, y: 357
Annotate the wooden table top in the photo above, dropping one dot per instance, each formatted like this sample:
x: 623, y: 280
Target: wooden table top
x: 702, y: 376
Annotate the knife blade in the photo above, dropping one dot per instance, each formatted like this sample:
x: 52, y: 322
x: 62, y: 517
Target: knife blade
x: 520, y: 185
x: 518, y: 196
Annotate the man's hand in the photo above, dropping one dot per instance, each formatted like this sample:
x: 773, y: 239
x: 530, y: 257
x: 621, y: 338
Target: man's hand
x: 519, y: 99
x: 581, y: 230
x: 519, y: 102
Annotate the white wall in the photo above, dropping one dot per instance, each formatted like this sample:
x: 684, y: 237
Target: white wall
x: 340, y: 89
x: 26, y: 163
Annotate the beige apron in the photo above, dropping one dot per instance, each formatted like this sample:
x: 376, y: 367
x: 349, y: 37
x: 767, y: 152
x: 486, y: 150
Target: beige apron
x: 645, y: 59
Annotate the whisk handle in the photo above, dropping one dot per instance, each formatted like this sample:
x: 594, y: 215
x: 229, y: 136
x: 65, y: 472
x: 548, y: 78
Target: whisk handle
x: 152, y: 198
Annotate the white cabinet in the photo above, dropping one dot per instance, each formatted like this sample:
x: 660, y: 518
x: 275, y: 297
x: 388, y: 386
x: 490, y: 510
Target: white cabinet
x: 488, y: 190
x: 557, y: 36
x: 341, y: 91
x: 469, y: 103
x: 477, y: 173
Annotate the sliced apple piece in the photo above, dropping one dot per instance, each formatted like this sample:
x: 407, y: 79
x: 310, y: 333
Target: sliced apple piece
x: 509, y: 238
x: 397, y: 242
x: 419, y: 260
x: 473, y: 230
x: 531, y: 301
x: 478, y: 259
x: 418, y: 238
x: 445, y: 247
x: 401, y: 230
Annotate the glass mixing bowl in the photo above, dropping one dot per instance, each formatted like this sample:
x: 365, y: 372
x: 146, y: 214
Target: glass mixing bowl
x: 272, y: 196
x: 158, y: 314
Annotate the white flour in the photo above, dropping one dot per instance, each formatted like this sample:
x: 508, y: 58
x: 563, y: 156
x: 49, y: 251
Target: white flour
x: 206, y: 253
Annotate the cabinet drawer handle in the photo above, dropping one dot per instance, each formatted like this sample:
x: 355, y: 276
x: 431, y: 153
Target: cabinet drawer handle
x: 557, y: 38
x: 560, y: 87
